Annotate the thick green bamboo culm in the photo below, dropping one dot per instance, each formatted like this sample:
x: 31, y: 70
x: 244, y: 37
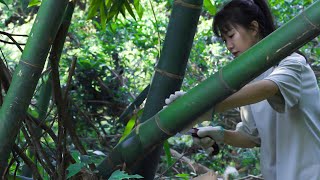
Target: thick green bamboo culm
x: 45, y: 92
x: 169, y: 73
x: 170, y: 70
x: 27, y: 73
x: 200, y: 99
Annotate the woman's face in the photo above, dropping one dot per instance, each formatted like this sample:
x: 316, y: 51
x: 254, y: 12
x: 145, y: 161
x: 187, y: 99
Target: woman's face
x: 238, y: 39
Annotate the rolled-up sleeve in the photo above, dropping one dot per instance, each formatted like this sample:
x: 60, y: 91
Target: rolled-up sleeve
x: 287, y: 76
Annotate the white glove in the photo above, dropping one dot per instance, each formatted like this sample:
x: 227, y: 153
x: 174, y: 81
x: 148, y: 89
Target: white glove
x: 208, y: 136
x: 173, y: 97
x: 204, y: 117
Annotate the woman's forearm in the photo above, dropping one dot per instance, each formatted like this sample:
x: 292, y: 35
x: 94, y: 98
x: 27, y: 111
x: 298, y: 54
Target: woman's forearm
x: 234, y: 138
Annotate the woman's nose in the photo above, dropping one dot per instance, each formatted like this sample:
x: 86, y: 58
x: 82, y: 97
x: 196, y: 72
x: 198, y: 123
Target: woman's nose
x: 229, y: 45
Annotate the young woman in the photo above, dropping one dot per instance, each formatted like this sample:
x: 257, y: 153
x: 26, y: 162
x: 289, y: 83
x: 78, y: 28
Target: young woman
x: 280, y: 109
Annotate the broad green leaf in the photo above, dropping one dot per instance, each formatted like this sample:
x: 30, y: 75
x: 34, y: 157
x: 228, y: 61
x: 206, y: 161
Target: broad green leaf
x: 2, y: 1
x: 166, y: 148
x: 73, y: 169
x: 209, y: 6
x: 127, y: 5
x: 34, y: 3
x: 119, y: 175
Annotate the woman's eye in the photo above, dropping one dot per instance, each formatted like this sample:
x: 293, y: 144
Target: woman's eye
x: 231, y: 35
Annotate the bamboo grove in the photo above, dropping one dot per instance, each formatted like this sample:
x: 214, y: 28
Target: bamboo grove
x: 140, y: 151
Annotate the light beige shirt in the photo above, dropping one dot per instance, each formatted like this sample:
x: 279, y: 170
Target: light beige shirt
x: 287, y: 128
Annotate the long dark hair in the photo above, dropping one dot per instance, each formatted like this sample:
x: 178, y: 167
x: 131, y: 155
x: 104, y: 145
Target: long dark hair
x: 243, y: 12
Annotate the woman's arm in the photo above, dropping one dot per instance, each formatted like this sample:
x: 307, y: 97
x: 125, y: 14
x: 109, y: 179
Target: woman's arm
x: 249, y: 94
x: 235, y: 138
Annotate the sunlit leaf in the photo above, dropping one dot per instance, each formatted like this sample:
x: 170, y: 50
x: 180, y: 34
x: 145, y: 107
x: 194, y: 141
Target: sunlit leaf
x: 139, y: 8
x: 130, y: 125
x: 209, y: 6
x: 34, y: 3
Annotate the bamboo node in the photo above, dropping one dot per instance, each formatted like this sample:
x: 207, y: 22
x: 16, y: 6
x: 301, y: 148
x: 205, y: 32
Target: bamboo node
x: 308, y: 20
x: 157, y: 118
x: 32, y: 65
x: 184, y: 4
x: 225, y: 83
x: 165, y: 73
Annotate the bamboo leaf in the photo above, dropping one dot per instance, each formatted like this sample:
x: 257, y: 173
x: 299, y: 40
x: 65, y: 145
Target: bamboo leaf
x: 114, y: 10
x: 123, y: 11
x: 127, y: 5
x: 93, y: 8
x: 33, y: 3
x: 138, y: 8
x: 103, y: 16
x: 210, y: 7
x: 130, y: 125
x: 166, y: 147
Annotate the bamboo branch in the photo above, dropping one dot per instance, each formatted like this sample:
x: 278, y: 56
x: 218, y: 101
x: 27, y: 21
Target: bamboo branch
x: 197, y: 168
x: 31, y: 165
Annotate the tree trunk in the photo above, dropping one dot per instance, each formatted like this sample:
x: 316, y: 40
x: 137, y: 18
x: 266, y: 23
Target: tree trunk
x: 28, y: 73
x: 166, y: 123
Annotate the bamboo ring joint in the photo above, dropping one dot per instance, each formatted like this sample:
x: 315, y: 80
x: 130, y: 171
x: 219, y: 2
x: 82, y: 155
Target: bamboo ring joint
x: 32, y: 65
x: 225, y: 83
x: 165, y: 73
x: 184, y: 4
x: 161, y: 128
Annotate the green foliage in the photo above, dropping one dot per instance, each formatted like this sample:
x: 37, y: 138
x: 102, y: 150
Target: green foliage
x: 83, y: 161
x: 3, y: 2
x: 119, y: 175
x: 109, y: 9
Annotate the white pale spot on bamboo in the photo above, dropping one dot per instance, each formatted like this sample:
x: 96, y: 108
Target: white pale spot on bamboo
x: 137, y: 129
x: 283, y: 47
x: 20, y: 73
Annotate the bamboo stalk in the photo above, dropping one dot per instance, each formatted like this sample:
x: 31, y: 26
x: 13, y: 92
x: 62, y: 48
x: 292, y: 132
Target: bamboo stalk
x: 28, y: 73
x: 200, y: 99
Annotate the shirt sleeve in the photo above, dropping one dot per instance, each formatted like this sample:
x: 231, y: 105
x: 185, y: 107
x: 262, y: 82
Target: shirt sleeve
x: 287, y: 76
x: 248, y: 126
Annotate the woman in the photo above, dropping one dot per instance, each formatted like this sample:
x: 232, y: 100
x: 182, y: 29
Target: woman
x: 280, y: 109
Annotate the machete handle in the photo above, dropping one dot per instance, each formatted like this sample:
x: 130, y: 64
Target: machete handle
x: 215, y: 146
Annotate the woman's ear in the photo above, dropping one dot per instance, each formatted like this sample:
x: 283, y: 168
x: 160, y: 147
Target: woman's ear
x: 255, y: 28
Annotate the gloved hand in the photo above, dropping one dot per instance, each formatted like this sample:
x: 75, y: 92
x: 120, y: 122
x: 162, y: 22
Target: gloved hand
x: 208, y: 136
x: 205, y: 117
x: 173, y: 97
